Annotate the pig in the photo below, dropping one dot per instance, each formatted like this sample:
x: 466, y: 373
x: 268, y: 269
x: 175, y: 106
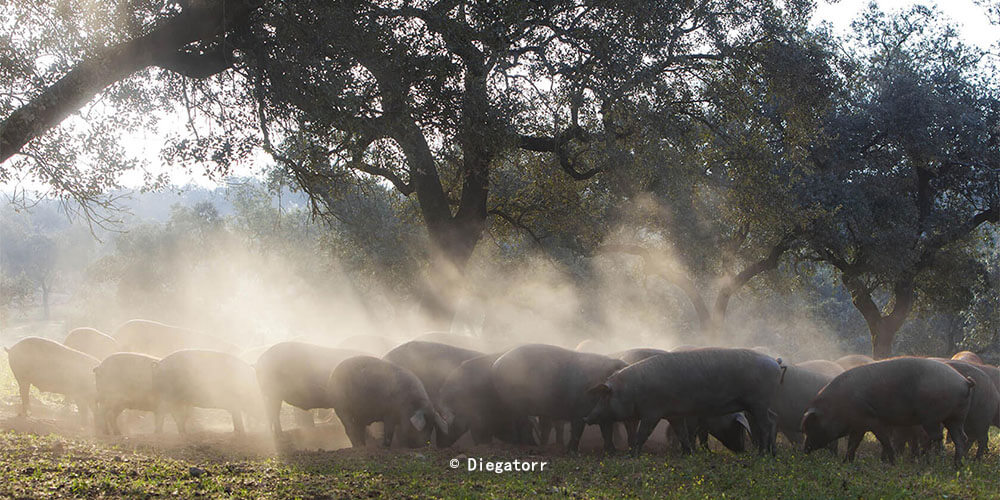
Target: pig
x: 297, y: 373
x: 53, y: 367
x: 365, y: 389
x: 685, y: 347
x: 994, y: 374
x: 763, y: 349
x: 453, y: 339
x: 251, y: 355
x: 705, y: 382
x: 731, y: 430
x: 469, y: 402
x: 431, y: 362
x: 638, y: 354
x: 92, y: 342
x: 594, y: 346
x: 969, y: 357
x: 798, y: 388
x: 159, y: 340
x: 982, y: 411
x: 375, y: 345
x: 125, y: 381
x: 894, y: 392
x: 206, y: 379
x: 854, y: 360
x: 551, y: 382
x: 823, y: 366
x: 984, y: 408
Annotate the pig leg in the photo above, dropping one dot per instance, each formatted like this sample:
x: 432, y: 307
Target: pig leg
x: 355, y: 430
x: 388, y: 431
x: 680, y: 427
x: 956, y: 429
x: 760, y: 425
x: 608, y: 433
x: 853, y: 441
x: 884, y: 436
x: 158, y: 417
x: 697, y: 432
x: 25, y: 389
x: 833, y: 447
x: 575, y: 433
x: 982, y: 441
x: 630, y: 428
x: 646, y: 426
x: 180, y: 415
x: 272, y: 407
x: 112, y: 419
x: 933, y: 439
x: 545, y: 427
x: 237, y: 421
x: 560, y: 427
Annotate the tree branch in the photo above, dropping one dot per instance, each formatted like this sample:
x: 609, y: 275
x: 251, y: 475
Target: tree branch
x: 197, y: 66
x: 112, y: 64
x: 557, y: 145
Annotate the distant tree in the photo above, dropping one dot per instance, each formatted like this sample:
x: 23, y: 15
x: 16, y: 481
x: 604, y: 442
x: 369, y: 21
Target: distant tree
x: 910, y: 171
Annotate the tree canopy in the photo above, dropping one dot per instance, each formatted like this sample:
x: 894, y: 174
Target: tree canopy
x: 718, y: 139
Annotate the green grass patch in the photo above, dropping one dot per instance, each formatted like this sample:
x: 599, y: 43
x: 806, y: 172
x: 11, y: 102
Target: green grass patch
x: 53, y: 466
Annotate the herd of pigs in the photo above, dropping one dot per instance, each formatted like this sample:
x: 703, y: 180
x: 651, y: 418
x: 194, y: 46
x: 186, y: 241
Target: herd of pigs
x: 422, y: 390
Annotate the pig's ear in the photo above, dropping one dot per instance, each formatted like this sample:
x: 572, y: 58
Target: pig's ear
x: 418, y: 420
x: 600, y: 390
x: 810, y: 415
x: 440, y: 423
x: 742, y: 420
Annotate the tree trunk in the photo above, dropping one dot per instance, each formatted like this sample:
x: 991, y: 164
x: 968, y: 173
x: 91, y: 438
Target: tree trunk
x: 882, y: 328
x: 45, y: 302
x: 882, y: 338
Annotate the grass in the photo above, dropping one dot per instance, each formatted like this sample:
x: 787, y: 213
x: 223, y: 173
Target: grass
x: 50, y: 466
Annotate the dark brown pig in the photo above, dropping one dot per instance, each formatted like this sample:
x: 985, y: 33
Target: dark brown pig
x: 206, y: 379
x: 826, y: 367
x: 431, y: 362
x: 53, y: 367
x: 469, y: 402
x: 638, y: 354
x: 705, y: 382
x: 375, y: 345
x: 453, y: 339
x: 160, y: 340
x: 546, y: 381
x: 731, y: 430
x: 894, y: 392
x: 92, y: 342
x: 854, y: 361
x: 125, y: 381
x: 984, y: 409
x: 297, y: 373
x: 365, y: 389
x: 798, y: 388
x: 994, y: 374
x: 968, y: 357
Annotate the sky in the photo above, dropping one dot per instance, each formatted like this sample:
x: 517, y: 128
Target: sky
x: 970, y: 19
